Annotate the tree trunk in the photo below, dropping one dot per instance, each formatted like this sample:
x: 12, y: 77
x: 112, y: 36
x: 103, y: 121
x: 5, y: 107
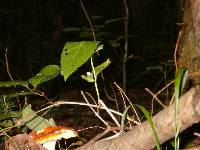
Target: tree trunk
x: 189, y: 44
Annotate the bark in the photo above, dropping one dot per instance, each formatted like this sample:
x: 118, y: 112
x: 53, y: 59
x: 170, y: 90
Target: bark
x: 140, y: 138
x: 22, y: 142
x: 189, y: 44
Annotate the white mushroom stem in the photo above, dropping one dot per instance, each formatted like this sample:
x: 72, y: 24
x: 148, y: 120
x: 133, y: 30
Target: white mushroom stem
x: 50, y: 145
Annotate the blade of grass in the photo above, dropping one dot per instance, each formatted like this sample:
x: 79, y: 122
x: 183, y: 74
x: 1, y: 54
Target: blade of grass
x: 150, y: 121
x: 179, y: 85
x: 124, y: 117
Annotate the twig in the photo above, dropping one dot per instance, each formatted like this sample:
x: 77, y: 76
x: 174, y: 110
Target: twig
x: 176, y: 48
x: 165, y: 87
x: 92, y: 64
x: 125, y: 43
x: 91, y: 98
x: 128, y: 101
x: 93, y: 109
x: 10, y: 75
x: 109, y: 112
x: 95, y: 80
x: 122, y: 95
x: 7, y: 65
x: 62, y: 102
x: 105, y: 107
x: 155, y: 97
x: 88, y: 18
x: 42, y: 94
x: 197, y: 134
x: 92, y: 141
x: 110, y: 98
x: 141, y: 136
x: 85, y: 104
x: 90, y: 128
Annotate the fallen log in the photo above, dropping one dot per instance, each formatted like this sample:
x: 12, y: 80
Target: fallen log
x: 21, y: 142
x: 141, y: 138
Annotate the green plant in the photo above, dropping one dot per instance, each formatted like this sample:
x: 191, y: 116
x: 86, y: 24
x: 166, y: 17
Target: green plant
x: 74, y: 55
x: 180, y: 81
x: 150, y: 121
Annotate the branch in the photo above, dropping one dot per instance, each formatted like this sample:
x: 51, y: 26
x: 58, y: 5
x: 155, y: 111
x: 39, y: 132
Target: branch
x: 140, y: 137
x: 21, y: 141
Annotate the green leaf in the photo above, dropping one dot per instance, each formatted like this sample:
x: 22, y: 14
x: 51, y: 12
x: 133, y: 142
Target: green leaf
x: 124, y: 117
x: 13, y: 83
x: 7, y: 123
x: 10, y: 114
x: 180, y: 81
x: 89, y: 77
x: 74, y: 55
x: 150, y: 121
x: 34, y: 121
x: 7, y: 119
x: 179, y: 85
x: 15, y: 94
x: 47, y: 73
x: 7, y: 103
x: 173, y: 144
x: 101, y: 67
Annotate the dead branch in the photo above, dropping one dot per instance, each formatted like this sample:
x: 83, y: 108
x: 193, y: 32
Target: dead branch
x: 21, y: 142
x: 140, y: 138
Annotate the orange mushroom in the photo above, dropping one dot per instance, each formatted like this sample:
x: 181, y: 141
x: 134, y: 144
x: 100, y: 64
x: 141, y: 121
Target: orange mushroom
x: 48, y: 136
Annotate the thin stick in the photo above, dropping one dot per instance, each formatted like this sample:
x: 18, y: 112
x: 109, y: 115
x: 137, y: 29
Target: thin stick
x: 92, y: 127
x: 155, y: 97
x: 109, y: 112
x: 84, y: 104
x: 166, y: 86
x: 125, y: 43
x: 91, y: 98
x: 92, y: 141
x: 92, y: 64
x: 176, y: 48
x: 88, y: 18
x: 128, y: 101
x: 57, y: 103
x: 110, y: 98
x: 102, y: 105
x: 93, y: 109
x: 7, y: 65
x: 9, y: 74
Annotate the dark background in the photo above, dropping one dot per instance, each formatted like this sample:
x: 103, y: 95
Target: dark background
x: 33, y: 32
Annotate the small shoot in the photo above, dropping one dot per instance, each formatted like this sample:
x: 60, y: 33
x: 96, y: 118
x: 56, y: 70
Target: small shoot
x: 180, y: 81
x: 150, y: 121
x: 89, y: 77
x: 124, y: 118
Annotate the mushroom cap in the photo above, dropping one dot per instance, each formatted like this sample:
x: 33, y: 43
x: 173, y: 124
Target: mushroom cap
x: 53, y: 133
